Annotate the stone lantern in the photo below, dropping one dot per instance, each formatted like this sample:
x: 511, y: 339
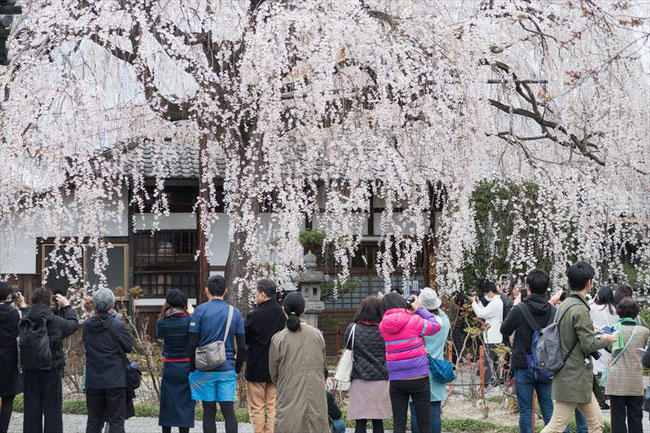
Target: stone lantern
x: 310, y: 284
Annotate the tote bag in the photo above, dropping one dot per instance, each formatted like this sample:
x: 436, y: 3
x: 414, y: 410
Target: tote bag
x: 344, y: 368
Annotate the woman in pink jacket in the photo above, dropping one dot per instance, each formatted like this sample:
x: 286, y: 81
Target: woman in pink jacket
x: 403, y: 328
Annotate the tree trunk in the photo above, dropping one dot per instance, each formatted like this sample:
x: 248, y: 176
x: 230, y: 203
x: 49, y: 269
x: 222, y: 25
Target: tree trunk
x: 236, y: 269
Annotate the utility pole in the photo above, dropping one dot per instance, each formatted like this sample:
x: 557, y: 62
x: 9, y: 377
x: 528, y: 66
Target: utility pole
x: 8, y: 9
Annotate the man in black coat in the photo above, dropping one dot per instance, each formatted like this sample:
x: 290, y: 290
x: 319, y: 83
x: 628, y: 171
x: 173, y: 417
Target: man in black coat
x: 261, y: 325
x: 11, y: 381
x: 43, y: 388
x: 106, y: 392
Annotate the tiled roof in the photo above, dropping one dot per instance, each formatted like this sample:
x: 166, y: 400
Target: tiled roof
x: 182, y: 162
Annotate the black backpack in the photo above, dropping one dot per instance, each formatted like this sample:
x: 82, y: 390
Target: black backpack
x: 34, y: 344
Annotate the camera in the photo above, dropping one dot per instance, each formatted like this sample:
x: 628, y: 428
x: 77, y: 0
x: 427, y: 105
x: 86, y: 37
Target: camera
x: 14, y: 296
x: 409, y: 300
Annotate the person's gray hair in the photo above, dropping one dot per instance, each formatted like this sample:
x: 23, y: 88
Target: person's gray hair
x: 104, y: 300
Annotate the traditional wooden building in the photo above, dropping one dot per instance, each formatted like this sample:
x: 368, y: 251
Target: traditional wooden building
x: 160, y: 255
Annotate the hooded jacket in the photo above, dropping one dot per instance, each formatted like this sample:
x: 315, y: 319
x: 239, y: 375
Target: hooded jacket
x: 541, y: 310
x: 403, y: 332
x: 104, y: 363
x: 59, y: 326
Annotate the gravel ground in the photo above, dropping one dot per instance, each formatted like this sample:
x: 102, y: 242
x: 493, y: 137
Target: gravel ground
x: 77, y: 424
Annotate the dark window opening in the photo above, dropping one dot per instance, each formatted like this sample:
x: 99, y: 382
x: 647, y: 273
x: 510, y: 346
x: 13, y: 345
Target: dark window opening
x: 165, y: 260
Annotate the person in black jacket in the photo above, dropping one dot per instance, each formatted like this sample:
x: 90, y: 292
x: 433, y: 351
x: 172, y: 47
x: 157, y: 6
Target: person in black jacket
x: 260, y: 326
x: 11, y: 380
x: 106, y: 393
x: 525, y: 382
x: 369, y: 397
x: 43, y: 388
x: 542, y: 312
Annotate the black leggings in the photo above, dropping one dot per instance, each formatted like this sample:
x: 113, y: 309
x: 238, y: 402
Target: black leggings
x: 5, y: 413
x: 418, y: 390
x: 377, y: 426
x: 210, y: 416
x: 180, y: 430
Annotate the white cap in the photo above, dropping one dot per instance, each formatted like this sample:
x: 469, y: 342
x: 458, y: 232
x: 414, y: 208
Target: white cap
x: 429, y: 299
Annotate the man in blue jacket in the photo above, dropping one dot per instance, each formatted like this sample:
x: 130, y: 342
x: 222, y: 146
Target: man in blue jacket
x: 210, y: 323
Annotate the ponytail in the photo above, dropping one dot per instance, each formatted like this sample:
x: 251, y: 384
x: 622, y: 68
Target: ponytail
x: 293, y: 323
x: 294, y: 307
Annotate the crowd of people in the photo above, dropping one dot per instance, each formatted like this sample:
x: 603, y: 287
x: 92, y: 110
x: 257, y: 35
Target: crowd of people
x: 392, y: 339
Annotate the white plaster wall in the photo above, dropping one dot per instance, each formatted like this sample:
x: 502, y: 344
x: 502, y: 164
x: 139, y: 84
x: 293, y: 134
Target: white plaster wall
x: 359, y: 221
x: 18, y: 243
x: 219, y: 245
x: 17, y: 253
x: 398, y: 219
x: 173, y: 221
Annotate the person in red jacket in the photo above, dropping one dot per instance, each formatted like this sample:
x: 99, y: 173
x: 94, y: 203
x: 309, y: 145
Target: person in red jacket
x: 403, y: 328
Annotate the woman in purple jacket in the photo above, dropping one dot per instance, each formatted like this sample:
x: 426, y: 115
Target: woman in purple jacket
x: 403, y: 328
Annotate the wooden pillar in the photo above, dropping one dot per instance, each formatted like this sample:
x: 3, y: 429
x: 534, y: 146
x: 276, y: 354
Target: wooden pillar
x: 482, y: 370
x: 450, y: 354
x: 203, y: 265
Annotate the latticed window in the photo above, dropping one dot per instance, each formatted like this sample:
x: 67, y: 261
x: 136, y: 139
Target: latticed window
x: 157, y: 284
x: 164, y: 260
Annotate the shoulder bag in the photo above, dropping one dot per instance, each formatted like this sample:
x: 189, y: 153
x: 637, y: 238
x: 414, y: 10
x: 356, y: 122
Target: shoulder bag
x: 344, y: 367
x: 603, y: 380
x: 212, y: 355
x: 131, y: 369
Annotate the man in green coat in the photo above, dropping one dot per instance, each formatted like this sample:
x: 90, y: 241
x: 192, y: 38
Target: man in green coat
x: 573, y: 384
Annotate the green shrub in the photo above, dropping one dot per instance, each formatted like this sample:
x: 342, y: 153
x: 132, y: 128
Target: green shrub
x: 311, y: 238
x: 74, y: 407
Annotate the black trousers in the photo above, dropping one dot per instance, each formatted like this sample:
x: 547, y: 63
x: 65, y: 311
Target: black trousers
x: 626, y: 407
x: 106, y: 406
x: 210, y: 415
x: 418, y: 390
x: 377, y: 426
x: 43, y: 399
x: 5, y: 412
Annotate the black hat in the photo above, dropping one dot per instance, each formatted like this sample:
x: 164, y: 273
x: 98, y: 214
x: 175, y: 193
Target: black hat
x: 176, y: 298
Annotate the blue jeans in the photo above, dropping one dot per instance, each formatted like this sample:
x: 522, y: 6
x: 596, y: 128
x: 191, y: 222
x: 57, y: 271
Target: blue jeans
x: 436, y: 422
x: 337, y: 426
x: 581, y: 424
x: 525, y: 383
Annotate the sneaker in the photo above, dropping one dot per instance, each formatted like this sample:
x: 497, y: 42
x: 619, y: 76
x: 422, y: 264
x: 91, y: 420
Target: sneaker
x: 604, y: 405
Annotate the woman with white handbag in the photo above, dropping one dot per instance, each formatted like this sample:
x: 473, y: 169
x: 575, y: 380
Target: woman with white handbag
x: 369, y: 397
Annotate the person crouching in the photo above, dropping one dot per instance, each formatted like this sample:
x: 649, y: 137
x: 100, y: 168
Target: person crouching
x: 106, y: 392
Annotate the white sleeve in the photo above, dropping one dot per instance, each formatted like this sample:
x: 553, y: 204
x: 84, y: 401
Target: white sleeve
x: 485, y: 312
x: 479, y: 309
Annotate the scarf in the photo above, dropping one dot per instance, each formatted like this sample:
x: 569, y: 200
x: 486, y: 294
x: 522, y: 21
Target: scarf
x: 175, y: 312
x: 618, y: 326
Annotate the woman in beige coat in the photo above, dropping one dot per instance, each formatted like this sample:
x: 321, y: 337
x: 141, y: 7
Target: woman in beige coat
x: 296, y: 364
